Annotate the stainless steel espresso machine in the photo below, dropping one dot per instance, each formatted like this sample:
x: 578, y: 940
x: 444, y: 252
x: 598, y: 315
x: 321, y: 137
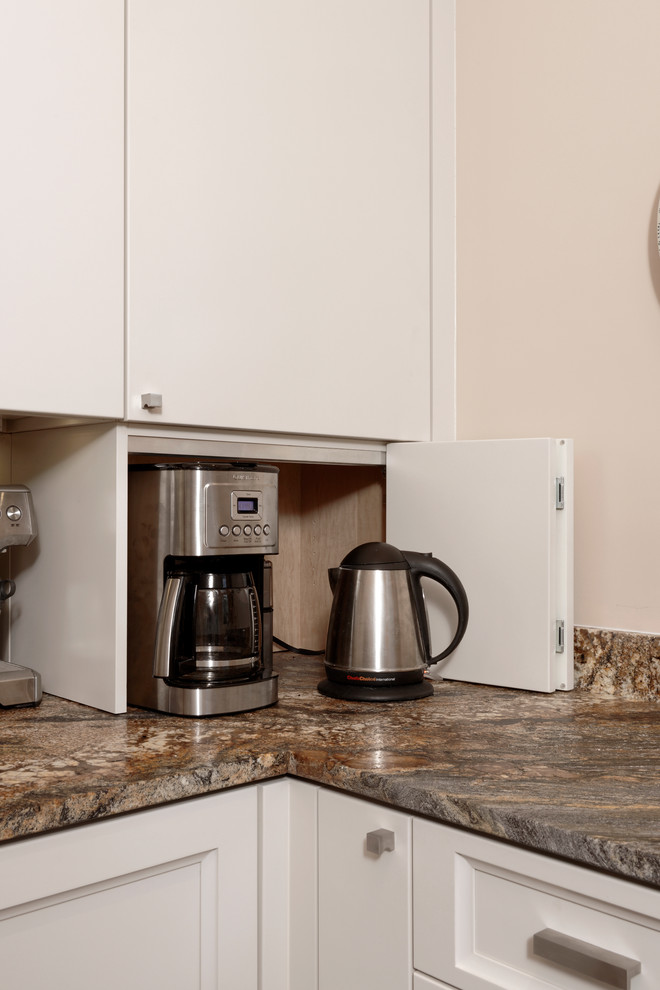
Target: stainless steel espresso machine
x: 200, y: 617
x: 18, y: 527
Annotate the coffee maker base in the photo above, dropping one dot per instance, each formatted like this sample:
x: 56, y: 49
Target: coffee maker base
x: 242, y: 696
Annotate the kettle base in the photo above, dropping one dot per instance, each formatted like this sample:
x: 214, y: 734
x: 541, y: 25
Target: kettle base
x: 363, y: 692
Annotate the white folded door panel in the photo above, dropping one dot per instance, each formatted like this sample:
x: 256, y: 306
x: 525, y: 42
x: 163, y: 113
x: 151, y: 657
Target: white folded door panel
x: 499, y: 513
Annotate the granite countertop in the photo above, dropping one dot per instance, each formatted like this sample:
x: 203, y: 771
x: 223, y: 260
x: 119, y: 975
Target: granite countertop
x: 568, y: 774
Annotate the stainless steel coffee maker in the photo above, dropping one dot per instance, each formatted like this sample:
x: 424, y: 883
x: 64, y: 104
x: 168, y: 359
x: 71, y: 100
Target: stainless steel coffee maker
x: 200, y: 634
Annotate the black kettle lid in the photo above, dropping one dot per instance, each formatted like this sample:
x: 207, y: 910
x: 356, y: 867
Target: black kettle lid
x: 375, y: 556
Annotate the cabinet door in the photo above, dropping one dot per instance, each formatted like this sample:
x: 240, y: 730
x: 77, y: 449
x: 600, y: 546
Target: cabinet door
x: 278, y: 214
x: 489, y: 509
x: 62, y: 207
x: 365, y: 919
x: 164, y: 898
x: 71, y: 625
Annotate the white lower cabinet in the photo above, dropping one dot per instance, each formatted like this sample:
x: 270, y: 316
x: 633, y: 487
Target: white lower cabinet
x: 289, y: 886
x: 163, y: 898
x: 471, y: 912
x: 335, y: 916
x: 491, y: 915
x: 365, y: 900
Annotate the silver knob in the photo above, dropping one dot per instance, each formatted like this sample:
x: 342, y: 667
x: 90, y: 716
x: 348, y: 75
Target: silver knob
x: 151, y: 400
x: 379, y: 841
x: 13, y: 512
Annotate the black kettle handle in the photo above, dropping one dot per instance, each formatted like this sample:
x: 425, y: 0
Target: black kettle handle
x: 425, y: 565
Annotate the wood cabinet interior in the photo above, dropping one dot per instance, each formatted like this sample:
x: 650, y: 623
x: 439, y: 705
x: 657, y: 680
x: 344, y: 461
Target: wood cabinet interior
x: 5, y: 455
x: 324, y: 511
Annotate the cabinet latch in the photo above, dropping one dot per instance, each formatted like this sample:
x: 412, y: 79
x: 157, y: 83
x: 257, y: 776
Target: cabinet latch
x: 559, y: 493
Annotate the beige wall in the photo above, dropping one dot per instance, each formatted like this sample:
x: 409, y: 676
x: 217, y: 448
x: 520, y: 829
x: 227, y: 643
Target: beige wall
x: 558, y: 305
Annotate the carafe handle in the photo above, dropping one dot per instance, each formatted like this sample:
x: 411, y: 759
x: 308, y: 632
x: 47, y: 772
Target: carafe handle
x: 165, y: 625
x: 425, y: 565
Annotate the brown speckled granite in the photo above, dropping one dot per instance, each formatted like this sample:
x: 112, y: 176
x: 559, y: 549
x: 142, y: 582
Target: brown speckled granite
x: 569, y: 774
x: 625, y: 664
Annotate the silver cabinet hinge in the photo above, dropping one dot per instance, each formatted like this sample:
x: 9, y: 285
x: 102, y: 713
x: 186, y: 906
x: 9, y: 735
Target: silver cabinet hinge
x: 559, y: 493
x: 560, y: 636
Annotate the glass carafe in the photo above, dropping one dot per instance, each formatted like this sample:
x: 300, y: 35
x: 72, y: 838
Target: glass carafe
x: 226, y: 629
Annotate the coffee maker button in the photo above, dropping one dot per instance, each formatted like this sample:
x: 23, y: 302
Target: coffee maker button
x: 224, y: 531
x: 247, y: 530
x: 266, y: 529
x: 257, y: 530
x: 236, y: 530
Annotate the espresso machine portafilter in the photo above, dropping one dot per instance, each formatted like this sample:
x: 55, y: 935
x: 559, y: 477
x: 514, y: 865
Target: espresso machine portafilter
x: 18, y: 528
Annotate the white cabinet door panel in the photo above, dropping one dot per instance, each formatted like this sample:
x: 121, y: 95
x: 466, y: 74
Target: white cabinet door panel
x: 164, y: 898
x: 62, y: 206
x: 71, y: 625
x: 278, y: 215
x: 72, y: 934
x: 487, y: 508
x: 365, y: 918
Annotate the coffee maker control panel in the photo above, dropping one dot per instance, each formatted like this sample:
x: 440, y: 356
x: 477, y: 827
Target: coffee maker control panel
x: 242, y: 518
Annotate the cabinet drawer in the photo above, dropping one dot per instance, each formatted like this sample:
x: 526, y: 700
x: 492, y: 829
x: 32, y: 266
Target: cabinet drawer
x: 479, y: 903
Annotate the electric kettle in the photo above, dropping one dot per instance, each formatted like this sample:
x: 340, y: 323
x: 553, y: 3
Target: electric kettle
x: 378, y: 643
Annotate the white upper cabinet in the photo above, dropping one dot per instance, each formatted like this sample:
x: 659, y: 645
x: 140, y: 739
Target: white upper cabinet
x: 278, y: 215
x: 61, y: 207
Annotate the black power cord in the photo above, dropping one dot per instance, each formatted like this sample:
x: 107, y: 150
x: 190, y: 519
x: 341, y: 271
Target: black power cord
x: 295, y: 649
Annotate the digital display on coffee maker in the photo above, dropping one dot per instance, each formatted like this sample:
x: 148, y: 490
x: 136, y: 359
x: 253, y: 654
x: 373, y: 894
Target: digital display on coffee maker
x: 247, y: 505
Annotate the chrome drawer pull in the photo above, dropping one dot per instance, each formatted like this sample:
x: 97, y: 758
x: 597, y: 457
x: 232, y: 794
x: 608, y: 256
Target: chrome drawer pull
x: 380, y: 841
x: 585, y: 959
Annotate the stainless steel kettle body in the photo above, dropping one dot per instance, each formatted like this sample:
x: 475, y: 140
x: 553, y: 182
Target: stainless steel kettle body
x: 377, y: 647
